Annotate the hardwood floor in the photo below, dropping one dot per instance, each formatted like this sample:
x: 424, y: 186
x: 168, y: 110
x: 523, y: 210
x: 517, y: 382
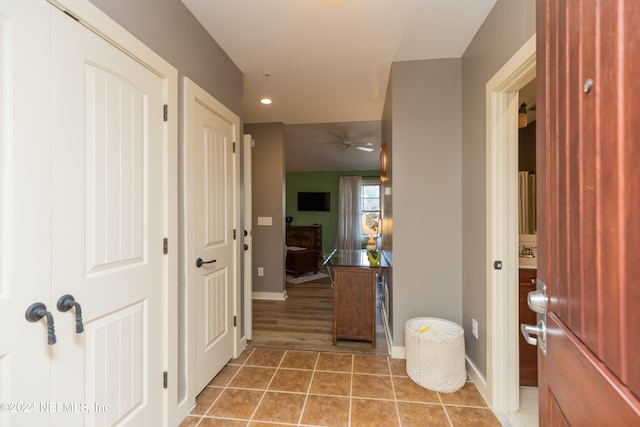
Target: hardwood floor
x: 304, y: 322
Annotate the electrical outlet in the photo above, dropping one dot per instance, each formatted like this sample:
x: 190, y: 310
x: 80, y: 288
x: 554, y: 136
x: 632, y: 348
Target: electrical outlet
x: 261, y: 273
x: 474, y: 328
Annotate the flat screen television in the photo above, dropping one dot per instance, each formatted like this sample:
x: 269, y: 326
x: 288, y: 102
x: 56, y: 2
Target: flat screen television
x: 308, y: 201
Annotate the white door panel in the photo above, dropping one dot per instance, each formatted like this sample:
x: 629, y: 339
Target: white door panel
x: 108, y: 228
x: 213, y: 240
x: 211, y: 219
x: 25, y: 223
x: 84, y: 207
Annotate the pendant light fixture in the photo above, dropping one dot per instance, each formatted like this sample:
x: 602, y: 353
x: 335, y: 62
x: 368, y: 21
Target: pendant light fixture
x: 522, y: 116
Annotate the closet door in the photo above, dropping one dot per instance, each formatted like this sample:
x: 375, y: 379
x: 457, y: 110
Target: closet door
x: 109, y: 217
x: 25, y: 223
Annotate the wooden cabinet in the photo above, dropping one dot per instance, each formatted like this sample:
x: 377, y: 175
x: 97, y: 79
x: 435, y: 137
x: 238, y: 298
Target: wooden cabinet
x: 299, y: 262
x: 305, y: 236
x: 528, y: 353
x: 354, y: 304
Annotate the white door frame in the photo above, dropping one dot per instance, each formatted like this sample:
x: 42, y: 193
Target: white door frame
x: 247, y: 148
x: 97, y: 21
x: 502, y: 226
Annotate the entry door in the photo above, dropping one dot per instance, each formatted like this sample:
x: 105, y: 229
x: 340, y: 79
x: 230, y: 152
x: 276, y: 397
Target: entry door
x: 25, y: 222
x: 109, y: 213
x: 211, y: 190
x: 589, y: 228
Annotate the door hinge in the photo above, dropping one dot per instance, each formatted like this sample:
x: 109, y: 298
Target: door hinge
x: 165, y: 245
x: 165, y: 379
x: 234, y: 234
x: 165, y: 113
x: 235, y: 318
x: 234, y: 146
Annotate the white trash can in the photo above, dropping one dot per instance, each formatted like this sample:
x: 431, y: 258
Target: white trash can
x: 435, y: 353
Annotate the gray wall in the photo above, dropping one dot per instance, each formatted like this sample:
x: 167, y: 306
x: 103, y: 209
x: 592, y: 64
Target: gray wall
x: 426, y: 109
x: 268, y: 181
x: 169, y: 28
x: 509, y: 25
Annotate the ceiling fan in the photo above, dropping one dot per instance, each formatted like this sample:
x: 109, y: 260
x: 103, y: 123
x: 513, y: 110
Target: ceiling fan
x: 348, y: 143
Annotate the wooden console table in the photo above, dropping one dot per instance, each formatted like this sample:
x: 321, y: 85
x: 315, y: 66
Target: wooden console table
x: 354, y: 295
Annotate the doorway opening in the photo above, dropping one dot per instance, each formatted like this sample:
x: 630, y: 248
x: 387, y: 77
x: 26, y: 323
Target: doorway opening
x: 502, y: 225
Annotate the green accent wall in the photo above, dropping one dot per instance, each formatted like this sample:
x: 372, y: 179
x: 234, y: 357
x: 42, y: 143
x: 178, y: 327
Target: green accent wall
x: 319, y: 182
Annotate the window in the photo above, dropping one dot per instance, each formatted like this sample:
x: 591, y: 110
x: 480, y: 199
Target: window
x: 370, y: 196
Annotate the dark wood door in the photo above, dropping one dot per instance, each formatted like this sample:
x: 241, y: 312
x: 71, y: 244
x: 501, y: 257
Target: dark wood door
x: 589, y: 210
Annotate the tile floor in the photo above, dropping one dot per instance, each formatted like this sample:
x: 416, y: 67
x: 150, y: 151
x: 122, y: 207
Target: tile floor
x: 527, y: 416
x: 270, y: 387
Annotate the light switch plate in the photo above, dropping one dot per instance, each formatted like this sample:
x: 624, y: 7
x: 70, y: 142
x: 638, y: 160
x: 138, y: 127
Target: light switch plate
x: 265, y: 220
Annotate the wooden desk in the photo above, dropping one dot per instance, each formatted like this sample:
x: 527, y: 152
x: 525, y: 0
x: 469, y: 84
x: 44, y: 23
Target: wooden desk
x: 354, y: 295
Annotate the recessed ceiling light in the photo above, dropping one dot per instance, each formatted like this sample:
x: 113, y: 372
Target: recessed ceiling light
x: 265, y: 101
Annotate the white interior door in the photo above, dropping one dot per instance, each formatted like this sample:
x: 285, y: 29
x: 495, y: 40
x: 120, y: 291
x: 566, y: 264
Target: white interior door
x: 109, y: 216
x: 211, y: 129
x: 24, y: 210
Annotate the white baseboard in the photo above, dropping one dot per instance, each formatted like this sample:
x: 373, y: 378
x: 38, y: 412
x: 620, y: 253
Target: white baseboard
x: 398, y: 352
x: 273, y: 296
x: 478, y: 380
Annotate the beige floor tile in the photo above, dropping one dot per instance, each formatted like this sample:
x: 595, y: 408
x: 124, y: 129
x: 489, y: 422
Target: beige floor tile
x: 333, y: 383
x: 422, y: 414
x: 266, y: 357
x: 326, y: 411
x: 240, y: 360
x: 363, y: 364
x: 224, y: 376
x: 205, y: 399
x: 235, y: 403
x: 406, y: 389
x: 190, y: 421
x: 368, y: 412
x: 221, y: 422
x: 478, y: 417
x: 335, y: 362
x: 267, y: 424
x: 372, y: 386
x: 291, y: 380
x: 398, y: 367
x: 268, y: 387
x: 253, y: 377
x: 467, y: 395
x: 280, y: 407
x: 300, y: 360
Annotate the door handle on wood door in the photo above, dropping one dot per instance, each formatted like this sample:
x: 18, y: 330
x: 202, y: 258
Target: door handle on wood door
x: 65, y: 303
x: 36, y: 312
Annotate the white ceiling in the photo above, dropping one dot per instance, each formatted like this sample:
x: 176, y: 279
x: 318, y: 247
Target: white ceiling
x: 329, y: 60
